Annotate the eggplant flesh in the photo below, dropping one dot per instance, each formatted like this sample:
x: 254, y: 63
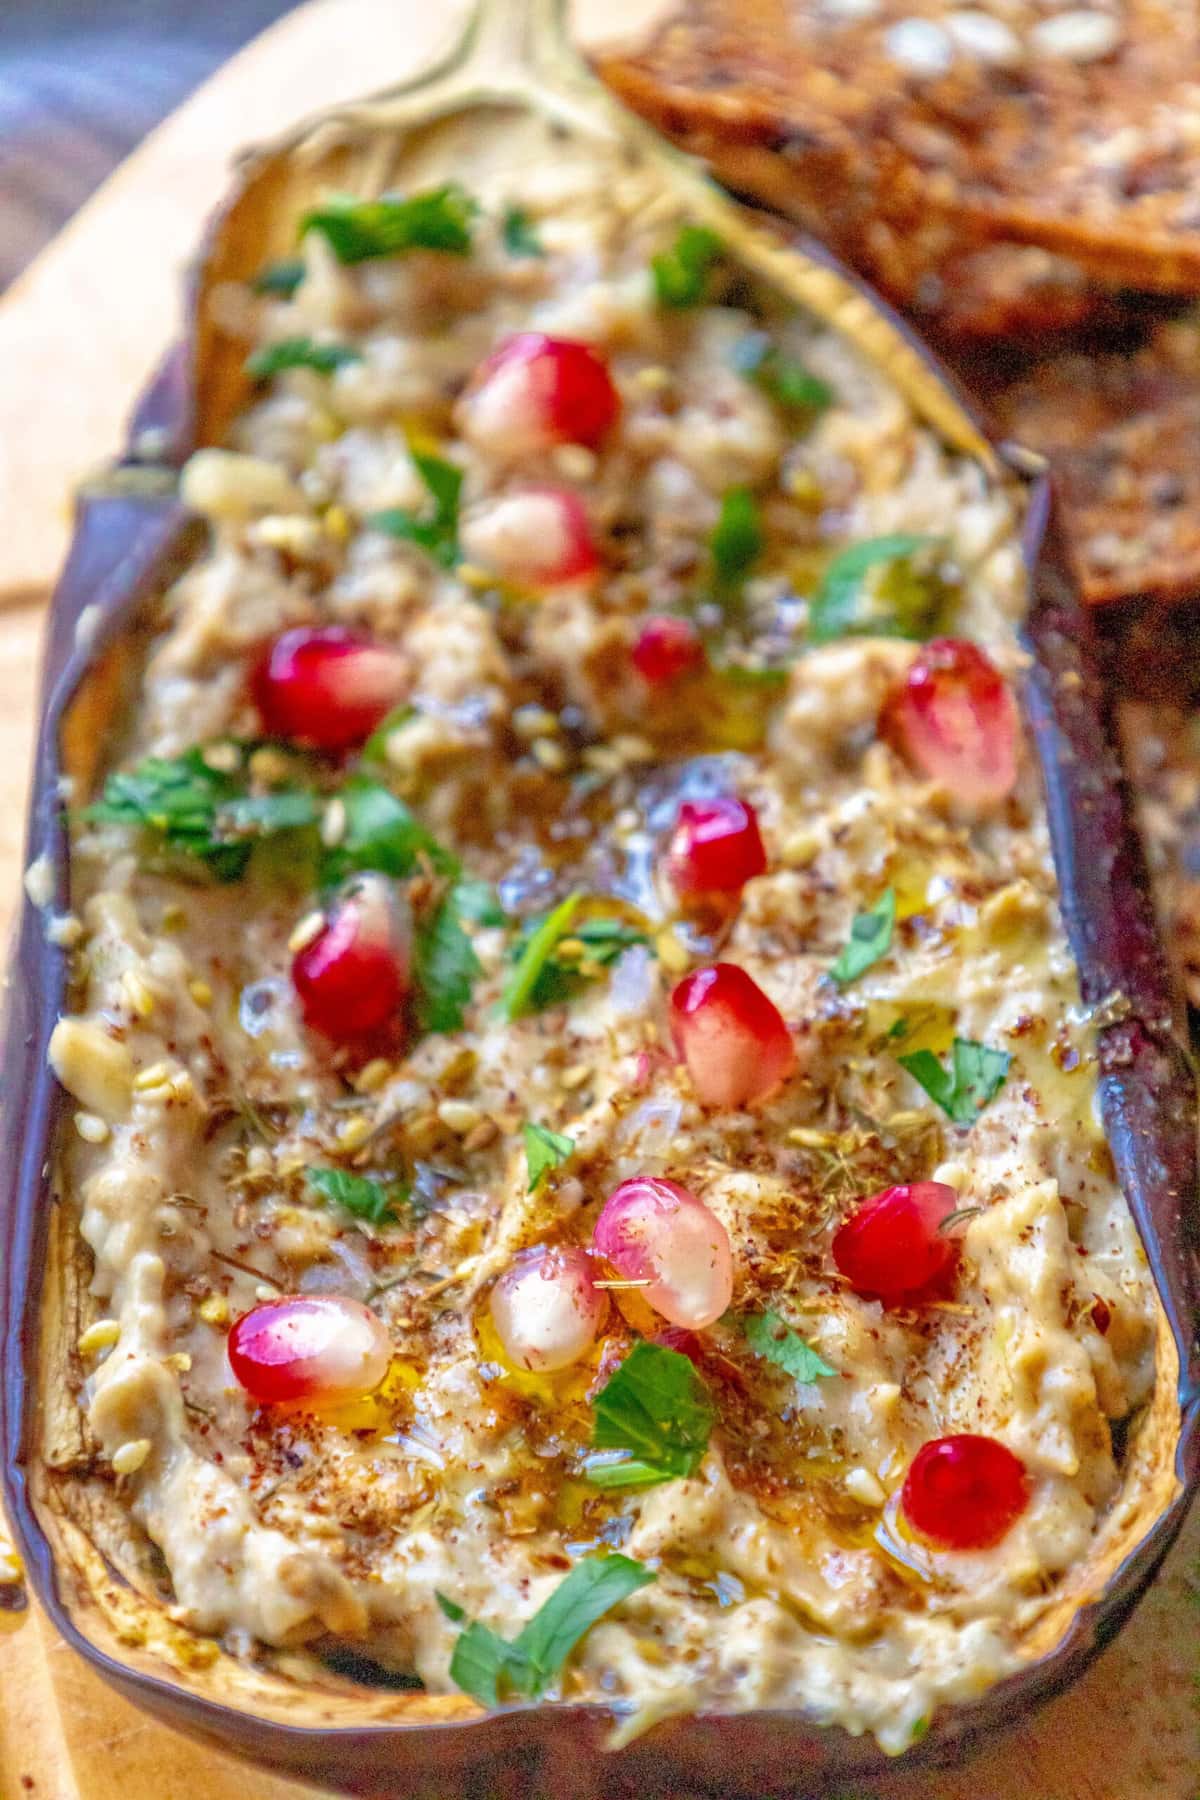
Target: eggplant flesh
x: 109, y: 1602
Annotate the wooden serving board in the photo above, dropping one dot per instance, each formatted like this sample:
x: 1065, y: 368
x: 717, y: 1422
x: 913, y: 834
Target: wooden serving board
x: 79, y: 333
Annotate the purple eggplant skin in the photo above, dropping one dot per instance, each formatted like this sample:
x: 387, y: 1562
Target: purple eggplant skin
x: 124, y: 551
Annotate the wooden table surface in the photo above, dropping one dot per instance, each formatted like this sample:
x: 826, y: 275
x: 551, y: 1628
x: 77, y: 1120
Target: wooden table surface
x: 79, y: 332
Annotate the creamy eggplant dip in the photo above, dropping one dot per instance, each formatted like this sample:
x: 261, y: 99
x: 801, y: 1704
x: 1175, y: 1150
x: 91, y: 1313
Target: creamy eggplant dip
x: 579, y: 1099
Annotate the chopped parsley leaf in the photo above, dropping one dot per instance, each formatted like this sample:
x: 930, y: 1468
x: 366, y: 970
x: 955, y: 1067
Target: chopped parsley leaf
x: 870, y: 938
x: 281, y: 278
x: 491, y: 1668
x: 358, y: 230
x: 437, y: 532
x: 554, y: 957
x: 365, y: 1198
x: 975, y: 1076
x: 681, y: 273
x: 544, y: 1150
x: 657, y: 1411
x: 737, y: 538
x: 882, y: 587
x: 375, y: 748
x: 445, y: 965
x: 381, y: 833
x: 300, y: 353
x: 769, y: 1335
x: 520, y: 238
x: 784, y: 378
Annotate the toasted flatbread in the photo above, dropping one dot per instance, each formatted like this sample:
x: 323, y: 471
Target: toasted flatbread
x: 910, y: 136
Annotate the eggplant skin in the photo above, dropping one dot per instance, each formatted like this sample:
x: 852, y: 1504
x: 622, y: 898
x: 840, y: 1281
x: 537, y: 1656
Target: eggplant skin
x: 74, y: 1534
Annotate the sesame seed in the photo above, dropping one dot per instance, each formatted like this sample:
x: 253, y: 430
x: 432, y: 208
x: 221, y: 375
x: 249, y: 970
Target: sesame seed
x: 671, y: 953
x: 259, y: 1160
x: 130, y: 1457
x: 200, y: 991
x: 575, y: 461
x: 336, y: 521
x: 269, y: 764
x: 920, y: 46
x: 137, y: 992
x: 91, y: 1128
x: 473, y: 576
x: 534, y: 722
x: 652, y: 379
x: 333, y: 823
x: 179, y: 1360
x: 354, y: 1133
x: 155, y: 1075
x: 311, y: 926
x: 989, y: 40
x: 224, y: 758
x: 1080, y: 36
x: 214, y: 1309
x: 862, y: 1485
x: 549, y: 755
x: 373, y: 1075
x: 99, y: 1336
x: 575, y: 1076
x: 459, y: 1116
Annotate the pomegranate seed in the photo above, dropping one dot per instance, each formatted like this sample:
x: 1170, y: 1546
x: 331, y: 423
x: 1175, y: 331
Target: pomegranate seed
x: 731, y: 1036
x: 655, y: 1231
x: 537, y: 391
x: 955, y: 721
x: 964, y: 1492
x: 352, y: 976
x: 892, y: 1247
x: 716, y: 847
x: 540, y: 538
x: 321, y: 1348
x: 666, y: 649
x: 327, y: 687
x: 545, y: 1309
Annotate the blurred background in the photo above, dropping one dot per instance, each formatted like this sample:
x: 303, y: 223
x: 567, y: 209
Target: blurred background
x: 81, y: 81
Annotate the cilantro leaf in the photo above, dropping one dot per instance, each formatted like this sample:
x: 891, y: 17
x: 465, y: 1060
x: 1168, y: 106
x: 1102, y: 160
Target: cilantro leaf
x: 870, y: 938
x: 365, y: 1198
x: 445, y: 966
x: 555, y: 958
x: 681, y: 273
x: 975, y: 1076
x: 520, y: 238
x: 489, y: 1667
x: 782, y: 377
x: 264, y: 815
x: 476, y: 899
x: 381, y: 833
x: 737, y: 538
x: 518, y: 995
x: 375, y: 748
x: 357, y: 230
x: 657, y: 1410
x: 282, y: 278
x: 882, y: 587
x: 300, y: 353
x: 437, y: 533
x: 769, y: 1335
x: 544, y: 1150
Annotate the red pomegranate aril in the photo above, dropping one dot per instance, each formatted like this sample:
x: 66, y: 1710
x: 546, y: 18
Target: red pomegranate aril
x: 539, y: 538
x: 327, y: 687
x: 666, y: 649
x: 316, y: 1347
x: 893, y: 1247
x: 964, y: 1492
x: 545, y: 1309
x: 654, y: 1231
x: 716, y: 847
x: 352, y: 975
x: 954, y: 720
x: 534, y: 392
x: 731, y: 1036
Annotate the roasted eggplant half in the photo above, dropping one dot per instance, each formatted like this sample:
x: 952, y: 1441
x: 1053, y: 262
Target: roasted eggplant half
x: 580, y: 900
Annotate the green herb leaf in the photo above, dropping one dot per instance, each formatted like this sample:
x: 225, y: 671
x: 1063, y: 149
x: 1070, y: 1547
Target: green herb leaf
x: 300, y: 353
x: 357, y: 230
x: 681, y: 273
x: 381, y: 833
x: 489, y: 1667
x: 445, y: 966
x: 544, y: 1150
x: 365, y: 1198
x: 375, y: 748
x: 282, y: 278
x: 266, y: 815
x: 882, y: 587
x: 769, y: 1335
x: 975, y: 1076
x: 737, y: 539
x: 870, y: 938
x: 545, y: 975
x: 538, y: 947
x: 476, y: 899
x: 520, y: 238
x: 437, y: 533
x: 783, y: 377
x: 657, y: 1410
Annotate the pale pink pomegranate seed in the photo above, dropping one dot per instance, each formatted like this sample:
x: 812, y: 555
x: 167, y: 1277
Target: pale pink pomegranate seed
x: 964, y: 1492
x: 352, y: 977
x: 320, y: 1347
x: 893, y: 1247
x: 715, y: 848
x: 731, y: 1036
x: 655, y: 1231
x: 954, y: 720
x: 537, y: 391
x: 666, y: 649
x: 540, y: 538
x: 545, y: 1309
x: 328, y: 687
